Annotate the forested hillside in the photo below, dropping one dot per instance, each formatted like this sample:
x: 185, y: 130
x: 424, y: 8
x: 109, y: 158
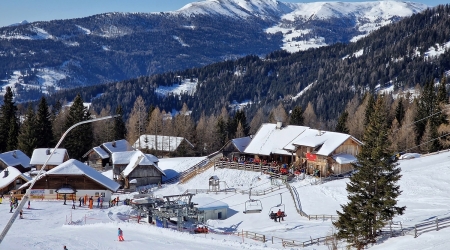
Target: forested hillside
x: 408, y: 53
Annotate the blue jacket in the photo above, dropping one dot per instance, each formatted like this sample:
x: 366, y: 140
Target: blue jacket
x: 119, y: 232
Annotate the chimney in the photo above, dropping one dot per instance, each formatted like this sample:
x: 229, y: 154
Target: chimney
x: 47, y: 152
x: 114, y: 143
x: 279, y: 125
x: 14, y: 154
x: 319, y: 132
x: 5, y: 173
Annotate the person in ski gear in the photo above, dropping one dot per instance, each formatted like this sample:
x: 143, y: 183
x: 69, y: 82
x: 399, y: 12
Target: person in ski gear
x: 29, y: 204
x: 98, y: 201
x: 65, y: 248
x: 101, y: 202
x: 21, y: 214
x: 12, y: 206
x: 73, y: 203
x: 280, y: 215
x: 80, y: 201
x: 120, y: 234
x: 91, y: 202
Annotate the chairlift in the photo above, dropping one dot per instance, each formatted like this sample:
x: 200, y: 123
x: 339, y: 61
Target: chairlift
x: 252, y: 205
x: 280, y: 206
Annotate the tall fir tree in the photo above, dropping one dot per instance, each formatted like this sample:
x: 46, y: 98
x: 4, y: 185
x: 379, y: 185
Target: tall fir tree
x: 27, y: 140
x: 296, y: 117
x: 120, y: 129
x: 79, y: 140
x: 400, y: 111
x: 13, y: 133
x: 369, y: 108
x: 373, y: 189
x: 44, y: 125
x: 8, y: 117
x: 341, y: 126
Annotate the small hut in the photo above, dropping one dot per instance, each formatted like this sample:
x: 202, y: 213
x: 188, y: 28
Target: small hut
x: 214, y: 183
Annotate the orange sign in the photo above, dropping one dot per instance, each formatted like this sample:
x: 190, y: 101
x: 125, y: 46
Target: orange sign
x: 311, y: 157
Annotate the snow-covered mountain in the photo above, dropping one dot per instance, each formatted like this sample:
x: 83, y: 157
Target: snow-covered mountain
x: 297, y: 20
x: 117, y: 46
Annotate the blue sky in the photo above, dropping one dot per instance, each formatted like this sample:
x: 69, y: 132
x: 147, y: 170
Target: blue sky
x: 14, y: 11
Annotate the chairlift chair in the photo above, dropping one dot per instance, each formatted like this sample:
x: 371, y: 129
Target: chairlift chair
x: 280, y: 206
x: 252, y: 205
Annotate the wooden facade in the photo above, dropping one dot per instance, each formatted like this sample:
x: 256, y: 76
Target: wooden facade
x: 19, y: 181
x: 326, y: 164
x: 143, y: 174
x: 96, y: 161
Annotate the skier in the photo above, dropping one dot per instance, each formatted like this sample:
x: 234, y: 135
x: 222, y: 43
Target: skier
x: 21, y: 214
x: 80, y: 201
x: 12, y: 206
x: 65, y: 248
x: 98, y: 201
x: 91, y: 202
x: 101, y: 202
x: 120, y: 234
x: 28, y: 204
x: 73, y: 203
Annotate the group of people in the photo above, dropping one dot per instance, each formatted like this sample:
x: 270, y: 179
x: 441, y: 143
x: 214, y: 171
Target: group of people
x: 278, y: 216
x: 201, y: 230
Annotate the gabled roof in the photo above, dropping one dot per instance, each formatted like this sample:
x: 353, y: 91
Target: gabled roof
x: 117, y: 146
x: 344, y: 158
x: 40, y: 156
x: 13, y: 174
x: 134, y: 159
x: 74, y: 167
x: 208, y: 203
x: 241, y: 143
x: 327, y: 141
x: 15, y: 158
x: 159, y: 142
x: 102, y: 153
x: 271, y: 140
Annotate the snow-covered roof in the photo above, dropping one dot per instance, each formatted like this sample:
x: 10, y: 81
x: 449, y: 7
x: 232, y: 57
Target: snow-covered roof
x: 117, y: 146
x: 134, y: 159
x: 65, y: 190
x: 40, y: 156
x: 208, y: 203
x: 271, y: 140
x: 15, y: 158
x: 328, y: 141
x: 13, y: 174
x: 344, y: 158
x: 241, y: 143
x: 74, y: 167
x: 409, y: 156
x: 159, y: 142
x: 102, y: 153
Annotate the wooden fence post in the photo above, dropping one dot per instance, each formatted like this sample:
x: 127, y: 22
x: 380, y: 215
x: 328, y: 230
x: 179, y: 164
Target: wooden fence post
x: 415, y: 231
x: 272, y: 239
x: 437, y: 224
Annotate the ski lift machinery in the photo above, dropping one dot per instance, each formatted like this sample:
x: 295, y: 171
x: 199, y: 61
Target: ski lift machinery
x: 252, y: 205
x: 279, y: 206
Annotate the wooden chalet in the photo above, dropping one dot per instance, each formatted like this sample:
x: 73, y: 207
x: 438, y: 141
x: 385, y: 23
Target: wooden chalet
x: 16, y: 159
x: 72, y: 179
x: 11, y: 179
x: 137, y: 168
x: 327, y: 152
x: 235, y: 147
x: 40, y: 156
x: 99, y: 157
x: 268, y: 144
x: 164, y: 146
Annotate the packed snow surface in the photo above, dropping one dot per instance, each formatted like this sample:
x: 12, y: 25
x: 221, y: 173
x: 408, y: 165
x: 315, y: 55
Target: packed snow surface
x: 425, y: 184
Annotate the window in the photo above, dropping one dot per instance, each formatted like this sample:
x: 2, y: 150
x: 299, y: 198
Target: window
x: 96, y: 194
x: 219, y: 215
x: 51, y: 191
x: 102, y: 194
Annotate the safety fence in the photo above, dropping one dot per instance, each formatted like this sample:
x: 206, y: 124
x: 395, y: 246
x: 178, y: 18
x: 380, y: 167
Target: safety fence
x: 234, y: 190
x: 434, y: 225
x: 210, y: 158
x: 296, y: 198
x: 251, y: 235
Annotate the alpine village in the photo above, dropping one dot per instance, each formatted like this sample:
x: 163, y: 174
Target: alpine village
x: 228, y: 124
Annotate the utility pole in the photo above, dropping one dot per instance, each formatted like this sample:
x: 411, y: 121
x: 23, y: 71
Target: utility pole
x: 26, y: 196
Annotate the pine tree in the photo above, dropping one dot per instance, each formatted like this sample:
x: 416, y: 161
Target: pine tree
x: 13, y: 133
x: 44, y: 125
x: 79, y: 140
x: 296, y: 116
x: 369, y: 108
x: 341, y: 126
x: 120, y: 129
x: 7, y: 117
x: 27, y: 140
x: 400, y: 111
x: 373, y: 189
x: 442, y: 95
